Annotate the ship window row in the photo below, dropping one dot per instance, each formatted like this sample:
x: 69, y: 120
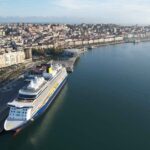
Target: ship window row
x: 17, y: 115
x: 18, y: 111
x: 14, y: 118
x: 20, y: 108
x: 24, y: 109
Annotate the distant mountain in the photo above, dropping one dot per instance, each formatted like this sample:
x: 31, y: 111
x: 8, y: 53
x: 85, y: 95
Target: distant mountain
x: 41, y: 20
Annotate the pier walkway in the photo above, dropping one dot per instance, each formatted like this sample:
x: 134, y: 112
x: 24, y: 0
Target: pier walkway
x: 67, y: 63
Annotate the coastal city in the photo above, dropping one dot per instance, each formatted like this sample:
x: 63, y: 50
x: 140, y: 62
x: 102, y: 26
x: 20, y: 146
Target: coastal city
x: 74, y: 75
x: 18, y: 40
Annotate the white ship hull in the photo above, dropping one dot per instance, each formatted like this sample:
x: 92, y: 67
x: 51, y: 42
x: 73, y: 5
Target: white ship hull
x: 38, y: 106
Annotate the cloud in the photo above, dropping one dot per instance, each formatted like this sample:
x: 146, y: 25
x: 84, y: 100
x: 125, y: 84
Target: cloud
x: 135, y: 11
x: 73, y: 4
x: 118, y: 11
x: 120, y: 6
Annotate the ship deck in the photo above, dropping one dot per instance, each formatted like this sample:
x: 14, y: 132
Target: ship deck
x: 25, y: 89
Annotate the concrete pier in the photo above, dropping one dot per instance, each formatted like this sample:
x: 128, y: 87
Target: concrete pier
x: 67, y: 63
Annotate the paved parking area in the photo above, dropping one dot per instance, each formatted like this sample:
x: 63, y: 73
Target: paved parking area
x: 7, y: 93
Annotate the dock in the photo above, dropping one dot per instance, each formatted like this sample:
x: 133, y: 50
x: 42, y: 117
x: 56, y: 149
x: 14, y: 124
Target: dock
x: 3, y: 115
x: 67, y: 63
x: 8, y: 92
x: 9, y: 89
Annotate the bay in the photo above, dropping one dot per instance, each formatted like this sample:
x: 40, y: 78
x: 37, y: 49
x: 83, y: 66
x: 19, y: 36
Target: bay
x: 104, y: 105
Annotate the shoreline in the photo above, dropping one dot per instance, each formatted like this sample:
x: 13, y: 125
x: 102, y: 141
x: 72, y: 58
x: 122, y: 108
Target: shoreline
x: 70, y: 63
x: 83, y: 49
x: 121, y: 42
x: 43, y: 48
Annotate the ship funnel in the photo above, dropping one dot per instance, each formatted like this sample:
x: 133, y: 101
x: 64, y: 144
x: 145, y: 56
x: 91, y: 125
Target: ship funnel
x: 49, y: 69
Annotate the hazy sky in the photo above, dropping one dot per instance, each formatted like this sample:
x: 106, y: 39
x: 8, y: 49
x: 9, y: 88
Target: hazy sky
x: 105, y: 11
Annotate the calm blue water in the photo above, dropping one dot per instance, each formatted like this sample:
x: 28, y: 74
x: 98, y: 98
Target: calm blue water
x: 105, y: 105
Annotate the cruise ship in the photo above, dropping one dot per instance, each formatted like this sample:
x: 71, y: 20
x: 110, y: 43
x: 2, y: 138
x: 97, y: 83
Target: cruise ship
x: 34, y: 98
